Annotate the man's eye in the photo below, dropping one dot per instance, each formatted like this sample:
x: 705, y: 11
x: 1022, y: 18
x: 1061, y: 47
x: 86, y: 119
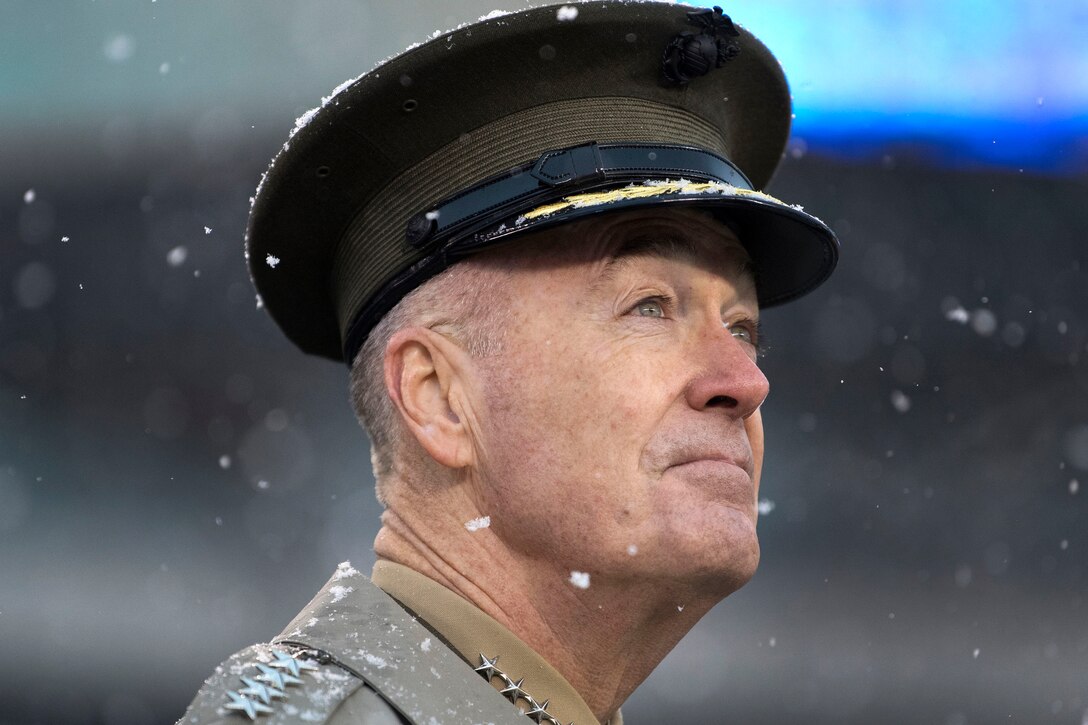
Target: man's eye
x: 650, y: 308
x: 744, y: 332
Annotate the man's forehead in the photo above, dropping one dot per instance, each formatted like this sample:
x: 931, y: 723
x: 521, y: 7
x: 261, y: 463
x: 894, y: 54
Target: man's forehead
x: 625, y: 234
x: 597, y: 250
x: 724, y: 249
x: 685, y: 235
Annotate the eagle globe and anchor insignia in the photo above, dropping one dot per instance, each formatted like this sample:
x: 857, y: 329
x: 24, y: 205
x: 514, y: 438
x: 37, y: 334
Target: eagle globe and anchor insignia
x: 689, y: 55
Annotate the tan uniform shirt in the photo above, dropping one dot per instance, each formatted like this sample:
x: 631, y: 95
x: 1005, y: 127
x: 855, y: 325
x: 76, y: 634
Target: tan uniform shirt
x: 473, y: 633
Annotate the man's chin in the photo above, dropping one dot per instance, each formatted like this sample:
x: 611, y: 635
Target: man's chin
x: 734, y: 556
x: 735, y: 570
x: 723, y: 563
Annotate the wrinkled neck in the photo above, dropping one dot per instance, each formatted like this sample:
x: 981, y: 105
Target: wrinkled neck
x: 604, y: 639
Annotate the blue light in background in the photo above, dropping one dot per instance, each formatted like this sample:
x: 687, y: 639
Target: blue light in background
x: 961, y: 84
x: 955, y: 83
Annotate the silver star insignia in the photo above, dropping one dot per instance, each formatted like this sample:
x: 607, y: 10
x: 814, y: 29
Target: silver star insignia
x: 279, y: 680
x: 513, y: 691
x: 487, y: 667
x: 293, y: 665
x: 539, y: 711
x: 242, y: 704
x: 263, y: 692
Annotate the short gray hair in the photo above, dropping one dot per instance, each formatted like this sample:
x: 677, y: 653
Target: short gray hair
x: 466, y: 302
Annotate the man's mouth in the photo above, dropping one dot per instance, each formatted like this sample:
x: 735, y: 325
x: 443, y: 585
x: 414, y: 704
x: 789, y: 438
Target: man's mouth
x: 710, y: 459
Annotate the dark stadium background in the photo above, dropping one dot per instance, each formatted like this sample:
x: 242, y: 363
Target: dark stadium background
x: 176, y: 480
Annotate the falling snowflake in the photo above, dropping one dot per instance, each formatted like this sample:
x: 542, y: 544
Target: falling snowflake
x: 272, y: 260
x: 580, y: 579
x: 567, y: 12
x: 476, y: 524
x: 900, y: 401
x: 765, y: 506
x: 958, y: 314
x: 29, y: 195
x: 207, y: 230
x: 984, y: 322
x: 224, y: 462
x: 119, y: 48
x: 176, y: 256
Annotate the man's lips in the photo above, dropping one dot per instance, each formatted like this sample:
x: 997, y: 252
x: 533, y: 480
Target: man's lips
x: 714, y: 459
x: 703, y: 445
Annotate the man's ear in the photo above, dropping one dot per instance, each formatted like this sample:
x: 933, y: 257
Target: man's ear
x: 424, y: 378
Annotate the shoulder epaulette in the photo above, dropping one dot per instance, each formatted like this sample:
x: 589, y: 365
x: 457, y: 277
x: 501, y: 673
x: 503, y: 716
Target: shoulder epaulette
x: 277, y: 683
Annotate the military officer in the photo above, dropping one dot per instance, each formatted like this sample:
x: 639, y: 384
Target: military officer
x: 541, y: 244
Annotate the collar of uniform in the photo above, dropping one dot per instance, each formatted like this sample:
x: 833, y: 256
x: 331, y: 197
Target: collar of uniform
x: 470, y: 631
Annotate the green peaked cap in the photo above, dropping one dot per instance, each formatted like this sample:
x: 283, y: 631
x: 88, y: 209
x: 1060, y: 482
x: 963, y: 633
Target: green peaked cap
x: 517, y: 122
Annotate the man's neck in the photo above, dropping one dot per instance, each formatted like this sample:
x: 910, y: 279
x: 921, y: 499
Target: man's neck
x: 604, y: 638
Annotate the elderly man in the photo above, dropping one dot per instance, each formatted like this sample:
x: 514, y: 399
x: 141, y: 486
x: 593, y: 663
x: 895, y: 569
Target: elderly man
x: 538, y: 242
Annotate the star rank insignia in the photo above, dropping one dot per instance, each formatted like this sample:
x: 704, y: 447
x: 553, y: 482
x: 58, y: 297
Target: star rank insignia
x: 487, y: 667
x: 265, y: 693
x: 539, y: 713
x: 513, y: 691
x: 270, y: 684
x: 292, y: 665
x: 276, y: 678
x: 249, y: 708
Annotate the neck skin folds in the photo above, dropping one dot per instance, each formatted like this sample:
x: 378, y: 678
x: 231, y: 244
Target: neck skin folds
x: 605, y: 639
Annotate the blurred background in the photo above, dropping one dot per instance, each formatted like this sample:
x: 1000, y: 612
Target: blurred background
x: 176, y: 480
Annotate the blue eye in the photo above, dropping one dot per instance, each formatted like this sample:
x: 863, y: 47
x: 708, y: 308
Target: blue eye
x: 650, y: 308
x: 743, y: 333
x: 747, y: 331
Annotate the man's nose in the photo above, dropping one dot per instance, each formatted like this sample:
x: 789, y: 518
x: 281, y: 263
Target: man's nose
x: 728, y: 377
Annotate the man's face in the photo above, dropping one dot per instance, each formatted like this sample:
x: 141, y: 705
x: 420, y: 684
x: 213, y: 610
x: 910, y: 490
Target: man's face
x: 618, y: 432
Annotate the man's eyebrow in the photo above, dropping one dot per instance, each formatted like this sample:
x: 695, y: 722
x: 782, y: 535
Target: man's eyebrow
x: 655, y: 245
